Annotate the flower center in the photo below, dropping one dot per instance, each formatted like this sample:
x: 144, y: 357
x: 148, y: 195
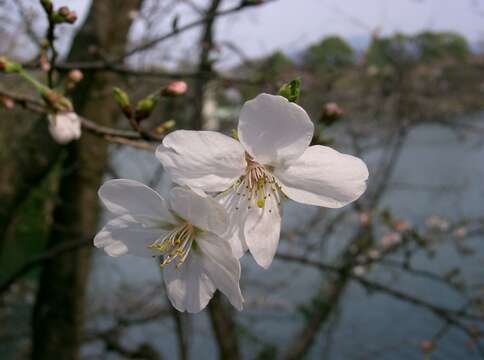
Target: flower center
x: 258, y: 185
x: 176, y: 244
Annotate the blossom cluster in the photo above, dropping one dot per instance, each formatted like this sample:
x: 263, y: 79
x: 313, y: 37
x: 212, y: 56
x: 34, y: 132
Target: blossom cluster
x: 228, y: 199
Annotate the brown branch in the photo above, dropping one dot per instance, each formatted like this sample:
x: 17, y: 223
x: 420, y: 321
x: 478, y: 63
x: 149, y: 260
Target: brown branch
x: 371, y: 285
x: 198, y: 22
x: 224, y: 328
x: 105, y: 66
x: 125, y: 137
x: 305, y: 338
x: 181, y: 334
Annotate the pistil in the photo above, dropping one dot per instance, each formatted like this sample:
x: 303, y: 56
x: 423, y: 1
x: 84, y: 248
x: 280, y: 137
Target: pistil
x: 257, y: 185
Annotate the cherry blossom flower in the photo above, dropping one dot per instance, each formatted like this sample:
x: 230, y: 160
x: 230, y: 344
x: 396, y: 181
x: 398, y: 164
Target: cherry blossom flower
x: 272, y: 160
x: 65, y: 127
x: 185, y: 231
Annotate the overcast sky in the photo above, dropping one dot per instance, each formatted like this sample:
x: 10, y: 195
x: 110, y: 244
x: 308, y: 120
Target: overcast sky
x: 290, y: 25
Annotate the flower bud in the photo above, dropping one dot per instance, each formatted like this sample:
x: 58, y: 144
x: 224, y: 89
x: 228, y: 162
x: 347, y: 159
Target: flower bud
x: 71, y: 18
x: 426, y: 346
x: 365, y: 218
x: 167, y: 125
x: 145, y: 107
x: 44, y: 62
x: 401, y: 225
x: 123, y: 101
x: 75, y: 75
x: 64, y: 14
x: 291, y: 90
x: 331, y: 113
x: 7, y: 102
x: 65, y: 127
x: 64, y: 11
x: 391, y: 239
x: 175, y: 88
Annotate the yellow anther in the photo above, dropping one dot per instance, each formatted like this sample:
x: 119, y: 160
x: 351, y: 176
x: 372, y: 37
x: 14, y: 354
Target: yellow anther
x: 176, y: 244
x: 260, y: 189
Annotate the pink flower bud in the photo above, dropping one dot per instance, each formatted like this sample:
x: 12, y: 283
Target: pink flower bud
x: 331, y: 113
x: 401, y: 225
x: 364, y: 218
x: 426, y: 346
x: 333, y: 109
x: 391, y: 239
x: 44, y: 63
x: 71, y: 18
x: 175, y: 88
x: 75, y: 75
x: 7, y: 102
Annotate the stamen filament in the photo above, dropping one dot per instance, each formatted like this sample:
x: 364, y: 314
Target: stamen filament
x: 256, y: 187
x: 175, y: 245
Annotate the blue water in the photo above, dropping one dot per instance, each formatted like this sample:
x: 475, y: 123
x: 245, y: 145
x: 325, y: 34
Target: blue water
x: 438, y: 172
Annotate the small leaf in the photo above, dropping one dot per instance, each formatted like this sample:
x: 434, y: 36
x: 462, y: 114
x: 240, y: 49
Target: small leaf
x: 121, y: 97
x: 123, y: 101
x: 145, y: 107
x: 234, y: 134
x: 291, y: 90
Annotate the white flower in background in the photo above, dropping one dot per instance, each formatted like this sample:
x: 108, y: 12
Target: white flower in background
x: 273, y: 158
x: 185, y: 231
x: 65, y: 127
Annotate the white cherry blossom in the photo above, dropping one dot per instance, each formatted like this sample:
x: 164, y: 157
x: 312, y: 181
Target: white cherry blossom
x: 273, y: 159
x: 185, y: 231
x: 65, y: 127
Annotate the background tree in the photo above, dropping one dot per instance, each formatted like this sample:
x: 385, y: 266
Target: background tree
x: 331, y: 54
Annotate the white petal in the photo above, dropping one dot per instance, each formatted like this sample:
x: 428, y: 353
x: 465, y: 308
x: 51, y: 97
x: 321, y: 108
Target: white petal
x: 189, y: 288
x: 202, y: 159
x: 273, y: 130
x: 324, y: 177
x: 203, y: 212
x: 221, y: 267
x: 262, y: 229
x: 125, y: 235
x: 237, y: 213
x: 116, y: 248
x: 123, y: 196
x: 65, y: 127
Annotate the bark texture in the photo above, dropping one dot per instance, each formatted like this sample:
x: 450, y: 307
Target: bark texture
x: 59, y: 309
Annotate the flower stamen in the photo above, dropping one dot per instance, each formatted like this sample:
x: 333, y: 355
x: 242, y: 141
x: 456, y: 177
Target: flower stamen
x: 257, y: 186
x: 175, y: 245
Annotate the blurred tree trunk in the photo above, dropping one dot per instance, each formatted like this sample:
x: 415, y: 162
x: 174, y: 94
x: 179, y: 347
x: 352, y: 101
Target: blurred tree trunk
x: 27, y: 155
x: 59, y: 309
x: 224, y: 327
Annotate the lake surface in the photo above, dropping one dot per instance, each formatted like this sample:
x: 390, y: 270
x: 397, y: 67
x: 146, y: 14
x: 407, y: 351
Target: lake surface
x: 438, y: 172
